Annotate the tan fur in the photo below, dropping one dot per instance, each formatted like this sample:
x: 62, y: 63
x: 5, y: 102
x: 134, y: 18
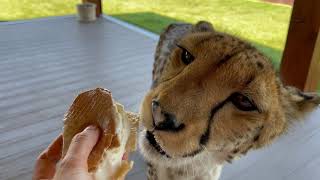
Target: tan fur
x: 223, y: 65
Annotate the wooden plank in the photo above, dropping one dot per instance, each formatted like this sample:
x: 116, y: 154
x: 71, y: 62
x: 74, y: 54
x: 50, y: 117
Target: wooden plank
x: 302, y: 35
x: 309, y: 171
x: 42, y: 68
x: 289, y: 154
x: 66, y: 76
x: 313, y: 78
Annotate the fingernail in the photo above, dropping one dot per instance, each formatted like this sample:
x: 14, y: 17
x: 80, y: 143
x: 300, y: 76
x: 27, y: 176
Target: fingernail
x: 91, y: 128
x: 125, y: 156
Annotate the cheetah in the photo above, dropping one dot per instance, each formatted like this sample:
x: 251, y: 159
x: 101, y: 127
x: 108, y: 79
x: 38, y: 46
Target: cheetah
x: 213, y: 98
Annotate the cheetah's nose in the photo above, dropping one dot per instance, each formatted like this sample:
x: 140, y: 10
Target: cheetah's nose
x: 164, y: 121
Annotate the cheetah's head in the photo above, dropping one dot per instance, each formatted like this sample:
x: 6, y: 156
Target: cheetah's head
x: 217, y: 96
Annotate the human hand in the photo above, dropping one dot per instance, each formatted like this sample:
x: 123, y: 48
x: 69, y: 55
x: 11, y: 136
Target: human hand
x: 74, y: 165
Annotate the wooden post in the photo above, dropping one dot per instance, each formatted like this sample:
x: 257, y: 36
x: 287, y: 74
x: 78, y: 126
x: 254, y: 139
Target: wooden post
x: 98, y: 3
x: 296, y: 66
x: 313, y: 77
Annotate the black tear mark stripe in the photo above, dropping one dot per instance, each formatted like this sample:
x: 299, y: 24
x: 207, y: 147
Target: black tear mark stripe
x: 250, y: 79
x: 205, y: 137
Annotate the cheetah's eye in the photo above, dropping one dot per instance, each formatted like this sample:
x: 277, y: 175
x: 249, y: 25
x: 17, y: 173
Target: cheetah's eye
x: 186, y: 57
x: 242, y: 102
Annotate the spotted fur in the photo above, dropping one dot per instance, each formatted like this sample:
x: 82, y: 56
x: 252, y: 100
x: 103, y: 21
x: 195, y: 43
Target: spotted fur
x: 198, y: 95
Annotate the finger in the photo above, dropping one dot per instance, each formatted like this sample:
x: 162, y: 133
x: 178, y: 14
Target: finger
x: 46, y: 161
x: 81, y: 146
x: 55, y: 150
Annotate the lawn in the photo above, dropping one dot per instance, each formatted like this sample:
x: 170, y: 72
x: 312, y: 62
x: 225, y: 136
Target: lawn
x: 263, y: 24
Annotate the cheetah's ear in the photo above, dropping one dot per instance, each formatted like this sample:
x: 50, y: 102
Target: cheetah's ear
x: 296, y: 103
x: 203, y: 26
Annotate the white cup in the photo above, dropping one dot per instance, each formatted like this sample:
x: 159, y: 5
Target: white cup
x: 86, y: 12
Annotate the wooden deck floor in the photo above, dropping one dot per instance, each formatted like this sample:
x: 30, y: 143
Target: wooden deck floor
x: 44, y: 64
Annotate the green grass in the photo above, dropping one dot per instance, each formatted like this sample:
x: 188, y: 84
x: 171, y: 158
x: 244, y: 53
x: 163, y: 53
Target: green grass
x: 263, y: 24
x: 28, y: 9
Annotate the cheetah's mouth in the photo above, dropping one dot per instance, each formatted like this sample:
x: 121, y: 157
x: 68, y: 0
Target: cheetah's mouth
x: 154, y: 144
x: 152, y: 141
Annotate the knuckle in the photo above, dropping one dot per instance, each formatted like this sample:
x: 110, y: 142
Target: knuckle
x: 68, y: 162
x: 80, y: 137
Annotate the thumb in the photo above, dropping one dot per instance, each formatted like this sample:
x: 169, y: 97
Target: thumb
x: 81, y: 146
